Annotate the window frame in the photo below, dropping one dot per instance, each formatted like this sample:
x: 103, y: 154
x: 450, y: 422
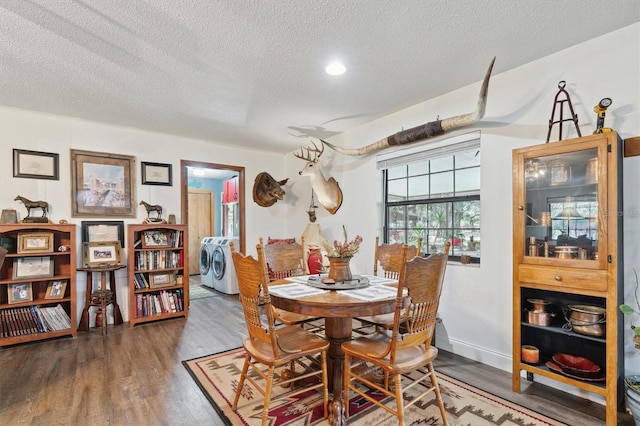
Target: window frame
x: 452, y: 231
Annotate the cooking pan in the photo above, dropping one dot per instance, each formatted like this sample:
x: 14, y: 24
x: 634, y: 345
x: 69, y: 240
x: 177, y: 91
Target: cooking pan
x: 587, y: 319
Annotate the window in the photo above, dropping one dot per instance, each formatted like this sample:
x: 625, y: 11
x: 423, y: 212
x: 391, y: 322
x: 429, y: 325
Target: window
x: 434, y: 194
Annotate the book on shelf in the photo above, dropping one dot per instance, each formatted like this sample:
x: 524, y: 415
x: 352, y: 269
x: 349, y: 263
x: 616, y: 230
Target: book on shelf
x: 145, y: 309
x: 36, y: 317
x: 156, y: 301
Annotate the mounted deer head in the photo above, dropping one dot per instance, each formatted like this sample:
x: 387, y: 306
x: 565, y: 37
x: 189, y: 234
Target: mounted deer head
x: 328, y: 191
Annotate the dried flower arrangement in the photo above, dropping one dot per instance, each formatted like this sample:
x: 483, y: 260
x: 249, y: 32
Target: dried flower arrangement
x: 346, y: 248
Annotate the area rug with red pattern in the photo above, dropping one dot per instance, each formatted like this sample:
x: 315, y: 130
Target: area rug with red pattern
x: 217, y: 375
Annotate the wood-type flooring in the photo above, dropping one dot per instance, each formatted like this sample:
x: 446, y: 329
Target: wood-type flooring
x: 135, y: 376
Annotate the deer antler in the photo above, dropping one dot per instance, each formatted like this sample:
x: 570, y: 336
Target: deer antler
x: 317, y: 153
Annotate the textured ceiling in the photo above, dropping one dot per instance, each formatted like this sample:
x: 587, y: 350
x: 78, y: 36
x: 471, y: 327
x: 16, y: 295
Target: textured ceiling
x: 251, y: 73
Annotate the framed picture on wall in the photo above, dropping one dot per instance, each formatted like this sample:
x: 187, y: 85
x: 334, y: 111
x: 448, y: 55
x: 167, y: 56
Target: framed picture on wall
x: 35, y: 164
x: 156, y: 174
x: 102, y: 184
x: 101, y: 231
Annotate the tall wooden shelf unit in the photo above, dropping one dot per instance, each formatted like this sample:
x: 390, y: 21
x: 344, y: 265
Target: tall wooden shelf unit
x: 584, y: 175
x: 158, y: 272
x: 64, y: 269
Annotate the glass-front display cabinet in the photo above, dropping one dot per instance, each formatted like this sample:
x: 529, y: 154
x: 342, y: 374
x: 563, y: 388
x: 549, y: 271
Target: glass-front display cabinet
x: 567, y: 265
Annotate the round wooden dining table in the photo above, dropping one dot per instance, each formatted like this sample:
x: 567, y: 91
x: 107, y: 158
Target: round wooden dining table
x: 338, y: 310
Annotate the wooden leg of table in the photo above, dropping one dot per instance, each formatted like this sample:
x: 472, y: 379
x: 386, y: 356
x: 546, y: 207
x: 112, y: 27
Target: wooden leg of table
x: 337, y: 330
x: 84, y: 318
x: 117, y: 315
x: 103, y: 301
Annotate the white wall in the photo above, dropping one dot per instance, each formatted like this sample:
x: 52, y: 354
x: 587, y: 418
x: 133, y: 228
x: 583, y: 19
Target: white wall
x: 49, y: 133
x: 476, y: 305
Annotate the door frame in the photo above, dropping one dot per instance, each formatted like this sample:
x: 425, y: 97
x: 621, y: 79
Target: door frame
x: 184, y: 190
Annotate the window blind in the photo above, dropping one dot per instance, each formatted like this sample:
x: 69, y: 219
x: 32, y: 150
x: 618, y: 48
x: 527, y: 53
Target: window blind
x: 446, y: 148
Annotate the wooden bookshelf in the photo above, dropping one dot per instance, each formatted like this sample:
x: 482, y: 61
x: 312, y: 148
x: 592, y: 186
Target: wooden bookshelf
x: 29, y: 302
x: 158, y: 280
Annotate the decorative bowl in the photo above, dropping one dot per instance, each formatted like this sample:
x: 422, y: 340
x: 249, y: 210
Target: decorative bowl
x: 576, y: 365
x: 633, y: 384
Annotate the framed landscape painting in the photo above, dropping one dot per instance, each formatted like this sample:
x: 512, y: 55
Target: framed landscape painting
x: 102, y: 184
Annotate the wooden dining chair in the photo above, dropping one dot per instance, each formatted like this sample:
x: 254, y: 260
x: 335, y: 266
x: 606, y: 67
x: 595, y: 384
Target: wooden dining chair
x: 285, y: 259
x: 268, y: 347
x: 390, y: 260
x: 407, y: 348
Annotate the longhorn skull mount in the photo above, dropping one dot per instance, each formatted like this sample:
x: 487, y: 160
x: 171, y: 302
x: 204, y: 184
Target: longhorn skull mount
x: 424, y: 131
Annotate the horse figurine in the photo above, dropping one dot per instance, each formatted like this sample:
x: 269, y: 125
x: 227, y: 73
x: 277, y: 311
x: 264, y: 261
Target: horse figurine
x: 33, y: 205
x: 152, y: 208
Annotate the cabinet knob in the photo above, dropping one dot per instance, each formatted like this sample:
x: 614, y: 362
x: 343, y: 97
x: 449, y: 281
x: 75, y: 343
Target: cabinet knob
x: 520, y: 207
x: 558, y: 278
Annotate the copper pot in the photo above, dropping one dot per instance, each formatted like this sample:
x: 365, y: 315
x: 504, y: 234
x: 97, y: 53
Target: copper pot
x: 588, y: 320
x: 566, y: 252
x: 539, y: 305
x: 540, y: 318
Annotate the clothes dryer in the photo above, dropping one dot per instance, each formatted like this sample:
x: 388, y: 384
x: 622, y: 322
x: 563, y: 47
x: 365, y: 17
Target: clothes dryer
x: 224, y: 273
x: 206, y: 254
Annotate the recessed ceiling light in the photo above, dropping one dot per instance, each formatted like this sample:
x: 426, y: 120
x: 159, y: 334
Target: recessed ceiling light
x: 335, y: 68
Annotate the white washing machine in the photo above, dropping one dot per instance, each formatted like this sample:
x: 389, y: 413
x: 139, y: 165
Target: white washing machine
x: 223, y: 271
x: 206, y: 253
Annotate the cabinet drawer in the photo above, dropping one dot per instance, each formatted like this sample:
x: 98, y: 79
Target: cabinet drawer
x: 586, y: 279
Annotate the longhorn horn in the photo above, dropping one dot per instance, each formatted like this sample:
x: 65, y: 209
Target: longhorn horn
x: 424, y: 131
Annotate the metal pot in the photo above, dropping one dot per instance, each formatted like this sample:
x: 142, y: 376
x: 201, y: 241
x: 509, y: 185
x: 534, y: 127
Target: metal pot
x: 566, y: 252
x: 539, y: 305
x: 588, y: 320
x: 540, y: 318
x: 560, y: 173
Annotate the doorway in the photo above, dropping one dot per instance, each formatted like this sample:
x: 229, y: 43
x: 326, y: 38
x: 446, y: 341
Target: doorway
x: 198, y: 204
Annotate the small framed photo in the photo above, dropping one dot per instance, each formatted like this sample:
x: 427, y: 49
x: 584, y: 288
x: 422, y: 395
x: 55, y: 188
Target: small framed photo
x: 156, y: 174
x: 31, y: 242
x: 35, y: 164
x: 101, y: 231
x: 56, y: 289
x: 101, y: 254
x: 32, y: 267
x: 20, y: 292
x: 165, y: 279
x: 156, y: 239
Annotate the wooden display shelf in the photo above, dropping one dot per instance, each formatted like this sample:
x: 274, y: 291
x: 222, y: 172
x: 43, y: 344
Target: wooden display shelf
x: 594, y: 281
x: 165, y: 301
x: 18, y: 321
